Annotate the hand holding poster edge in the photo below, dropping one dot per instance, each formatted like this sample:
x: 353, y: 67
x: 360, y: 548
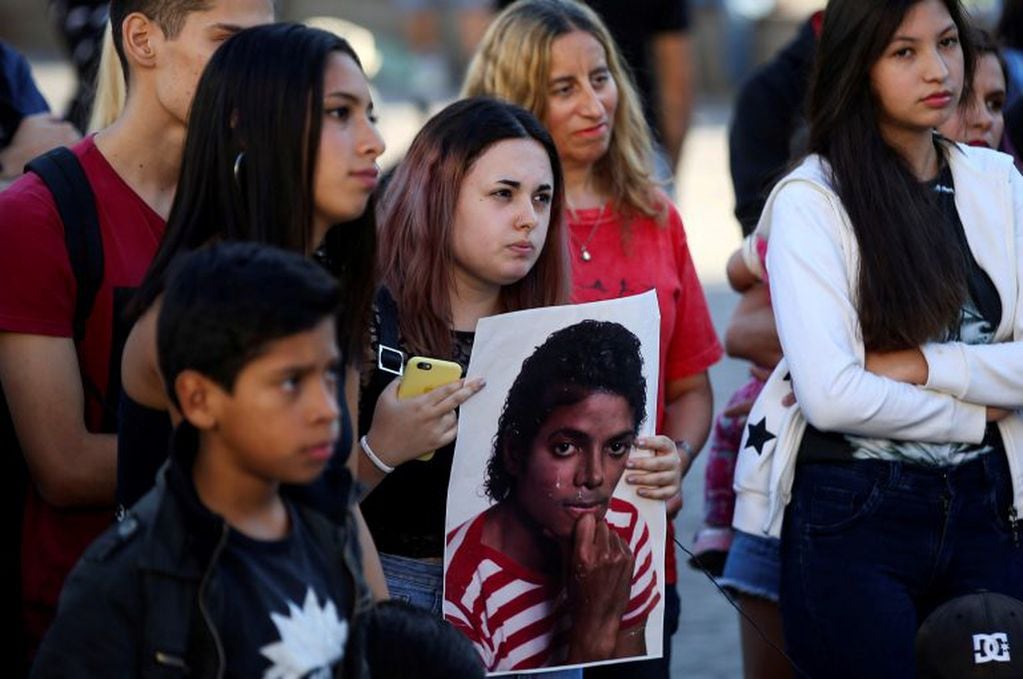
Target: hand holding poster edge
x: 503, y: 346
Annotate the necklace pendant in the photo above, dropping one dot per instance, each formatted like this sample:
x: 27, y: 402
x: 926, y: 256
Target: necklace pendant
x: 585, y: 255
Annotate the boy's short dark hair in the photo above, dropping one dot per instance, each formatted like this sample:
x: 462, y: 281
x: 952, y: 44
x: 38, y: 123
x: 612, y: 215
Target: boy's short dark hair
x: 572, y: 363
x: 169, y: 14
x: 224, y: 303
x: 396, y: 640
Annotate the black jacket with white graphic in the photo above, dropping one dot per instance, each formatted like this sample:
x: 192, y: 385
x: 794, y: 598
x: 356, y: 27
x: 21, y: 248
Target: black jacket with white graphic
x: 139, y: 602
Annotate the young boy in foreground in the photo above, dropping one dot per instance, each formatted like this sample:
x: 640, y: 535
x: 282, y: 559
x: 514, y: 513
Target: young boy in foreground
x: 243, y: 561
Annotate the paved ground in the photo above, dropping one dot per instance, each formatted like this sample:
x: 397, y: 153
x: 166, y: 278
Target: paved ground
x: 706, y: 646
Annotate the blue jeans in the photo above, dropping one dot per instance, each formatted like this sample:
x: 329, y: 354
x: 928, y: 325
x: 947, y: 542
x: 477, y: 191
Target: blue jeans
x: 869, y: 548
x: 421, y: 584
x: 414, y: 581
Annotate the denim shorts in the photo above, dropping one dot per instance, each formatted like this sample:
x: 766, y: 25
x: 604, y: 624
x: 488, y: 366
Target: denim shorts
x: 753, y: 567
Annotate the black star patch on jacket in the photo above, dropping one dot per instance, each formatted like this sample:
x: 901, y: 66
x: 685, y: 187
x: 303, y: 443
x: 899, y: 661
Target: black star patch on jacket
x: 757, y: 435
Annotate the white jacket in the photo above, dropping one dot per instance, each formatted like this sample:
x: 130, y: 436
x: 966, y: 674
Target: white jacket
x: 812, y: 261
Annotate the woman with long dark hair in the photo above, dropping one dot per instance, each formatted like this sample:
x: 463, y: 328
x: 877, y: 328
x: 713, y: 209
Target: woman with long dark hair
x: 895, y: 271
x: 259, y: 166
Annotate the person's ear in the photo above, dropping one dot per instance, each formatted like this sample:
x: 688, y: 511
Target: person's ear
x: 201, y: 399
x: 511, y: 461
x: 140, y: 37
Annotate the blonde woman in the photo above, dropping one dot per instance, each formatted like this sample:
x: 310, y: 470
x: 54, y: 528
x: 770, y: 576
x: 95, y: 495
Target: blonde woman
x: 557, y: 59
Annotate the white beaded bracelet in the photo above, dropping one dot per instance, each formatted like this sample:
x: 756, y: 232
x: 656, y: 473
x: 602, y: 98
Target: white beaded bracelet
x: 377, y: 462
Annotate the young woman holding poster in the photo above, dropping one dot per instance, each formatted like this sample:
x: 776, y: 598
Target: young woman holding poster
x: 470, y: 226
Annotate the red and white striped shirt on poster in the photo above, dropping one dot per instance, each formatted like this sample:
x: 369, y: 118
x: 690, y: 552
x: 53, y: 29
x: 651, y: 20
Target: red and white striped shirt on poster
x: 519, y: 619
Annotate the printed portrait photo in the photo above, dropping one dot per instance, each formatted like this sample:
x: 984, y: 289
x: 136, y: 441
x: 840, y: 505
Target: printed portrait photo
x: 552, y: 559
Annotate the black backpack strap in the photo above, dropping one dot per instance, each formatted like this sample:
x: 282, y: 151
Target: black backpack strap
x: 63, y: 175
x: 389, y: 355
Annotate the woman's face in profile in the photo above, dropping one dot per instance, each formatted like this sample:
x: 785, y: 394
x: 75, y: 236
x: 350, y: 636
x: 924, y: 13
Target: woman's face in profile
x: 346, y: 170
x: 575, y: 462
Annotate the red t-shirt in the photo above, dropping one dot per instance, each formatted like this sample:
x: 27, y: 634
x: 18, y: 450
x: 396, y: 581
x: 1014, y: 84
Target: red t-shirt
x: 653, y: 256
x: 37, y: 297
x: 519, y: 619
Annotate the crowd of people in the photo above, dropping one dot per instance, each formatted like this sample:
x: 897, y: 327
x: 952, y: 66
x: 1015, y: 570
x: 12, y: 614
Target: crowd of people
x: 208, y: 466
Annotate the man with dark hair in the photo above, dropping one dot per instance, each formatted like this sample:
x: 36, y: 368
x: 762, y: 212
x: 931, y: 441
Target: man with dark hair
x: 563, y: 440
x: 61, y: 389
x: 252, y: 519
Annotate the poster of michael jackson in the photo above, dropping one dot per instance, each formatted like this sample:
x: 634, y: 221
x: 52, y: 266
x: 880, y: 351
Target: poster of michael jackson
x: 550, y: 561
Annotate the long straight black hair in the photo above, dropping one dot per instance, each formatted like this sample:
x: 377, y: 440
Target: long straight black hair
x: 912, y: 277
x: 261, y: 95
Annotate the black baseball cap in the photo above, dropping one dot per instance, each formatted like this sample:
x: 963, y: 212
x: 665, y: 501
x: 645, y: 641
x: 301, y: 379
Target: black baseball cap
x: 972, y: 636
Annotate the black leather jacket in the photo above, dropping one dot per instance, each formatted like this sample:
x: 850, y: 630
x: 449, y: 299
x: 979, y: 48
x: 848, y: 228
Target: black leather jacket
x: 144, y: 598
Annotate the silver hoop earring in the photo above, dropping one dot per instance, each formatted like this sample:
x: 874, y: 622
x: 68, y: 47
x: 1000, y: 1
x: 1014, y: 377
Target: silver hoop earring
x: 238, y: 168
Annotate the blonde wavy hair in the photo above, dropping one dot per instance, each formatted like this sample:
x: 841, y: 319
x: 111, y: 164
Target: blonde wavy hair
x: 111, y: 90
x: 513, y: 63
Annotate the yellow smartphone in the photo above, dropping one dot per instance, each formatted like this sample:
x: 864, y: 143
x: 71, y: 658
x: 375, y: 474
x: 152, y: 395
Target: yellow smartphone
x: 423, y: 375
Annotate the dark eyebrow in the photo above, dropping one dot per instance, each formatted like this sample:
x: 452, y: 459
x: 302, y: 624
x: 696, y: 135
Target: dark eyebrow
x: 578, y: 434
x: 544, y: 187
x: 227, y: 28
x: 351, y: 98
x: 343, y: 95
x: 510, y: 182
x: 568, y: 432
x: 301, y: 369
x: 906, y: 38
x: 294, y: 369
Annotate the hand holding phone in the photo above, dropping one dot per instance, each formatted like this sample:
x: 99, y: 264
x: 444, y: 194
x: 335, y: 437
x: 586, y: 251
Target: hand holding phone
x: 422, y: 375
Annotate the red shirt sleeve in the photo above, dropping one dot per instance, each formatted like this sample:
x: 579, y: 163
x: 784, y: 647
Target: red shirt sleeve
x: 37, y: 286
x: 694, y: 345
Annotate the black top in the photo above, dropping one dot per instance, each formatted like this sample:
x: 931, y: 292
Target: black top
x: 405, y: 512
x: 633, y: 25
x: 768, y: 127
x: 147, y: 597
x: 142, y: 443
x: 295, y: 618
x: 981, y: 314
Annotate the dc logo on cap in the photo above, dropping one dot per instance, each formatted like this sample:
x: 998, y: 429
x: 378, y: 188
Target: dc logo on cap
x: 990, y: 648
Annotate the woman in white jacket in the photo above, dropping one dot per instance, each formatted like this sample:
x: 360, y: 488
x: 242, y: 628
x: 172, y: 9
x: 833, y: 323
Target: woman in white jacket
x: 896, y: 284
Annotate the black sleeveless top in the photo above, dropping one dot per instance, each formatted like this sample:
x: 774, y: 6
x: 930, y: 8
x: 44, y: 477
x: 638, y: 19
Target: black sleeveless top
x: 405, y: 512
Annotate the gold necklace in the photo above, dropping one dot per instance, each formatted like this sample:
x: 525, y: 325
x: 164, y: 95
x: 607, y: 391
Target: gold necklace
x: 584, y: 252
